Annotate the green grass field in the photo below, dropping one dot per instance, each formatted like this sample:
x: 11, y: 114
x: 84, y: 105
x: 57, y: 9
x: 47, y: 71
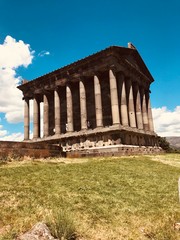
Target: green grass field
x: 105, y: 198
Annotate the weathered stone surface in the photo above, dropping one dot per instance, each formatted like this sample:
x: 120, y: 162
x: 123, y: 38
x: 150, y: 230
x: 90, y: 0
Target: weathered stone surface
x: 21, y: 149
x: 98, y: 102
x: 69, y: 124
x: 114, y: 150
x: 39, y: 232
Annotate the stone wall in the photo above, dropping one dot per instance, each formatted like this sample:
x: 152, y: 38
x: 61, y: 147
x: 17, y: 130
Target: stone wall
x: 21, y: 149
x: 44, y: 150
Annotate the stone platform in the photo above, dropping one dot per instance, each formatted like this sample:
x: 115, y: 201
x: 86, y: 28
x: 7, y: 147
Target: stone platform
x: 44, y: 150
x: 115, y: 150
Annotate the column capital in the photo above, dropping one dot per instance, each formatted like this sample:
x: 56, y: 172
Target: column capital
x: 26, y: 98
x: 37, y: 96
x: 136, y: 86
x: 121, y: 75
x: 113, y: 68
x: 97, y: 74
x: 46, y: 91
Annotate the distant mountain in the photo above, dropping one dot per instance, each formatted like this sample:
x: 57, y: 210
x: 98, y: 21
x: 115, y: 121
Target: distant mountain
x: 174, y: 142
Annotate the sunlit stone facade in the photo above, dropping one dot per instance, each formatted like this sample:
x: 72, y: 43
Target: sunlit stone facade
x: 100, y: 101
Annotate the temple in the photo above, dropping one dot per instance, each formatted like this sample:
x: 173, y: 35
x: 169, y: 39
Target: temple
x: 100, y: 101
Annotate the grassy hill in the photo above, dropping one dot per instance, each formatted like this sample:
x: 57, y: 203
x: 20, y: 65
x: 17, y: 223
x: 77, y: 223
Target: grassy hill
x: 102, y: 198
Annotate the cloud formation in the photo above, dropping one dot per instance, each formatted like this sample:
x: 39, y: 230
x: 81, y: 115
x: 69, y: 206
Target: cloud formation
x: 13, y: 54
x: 43, y: 53
x: 166, y: 122
x: 2, y: 131
x: 12, y: 137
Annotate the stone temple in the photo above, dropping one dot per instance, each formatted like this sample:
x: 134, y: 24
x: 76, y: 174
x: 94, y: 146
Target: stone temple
x: 99, y: 103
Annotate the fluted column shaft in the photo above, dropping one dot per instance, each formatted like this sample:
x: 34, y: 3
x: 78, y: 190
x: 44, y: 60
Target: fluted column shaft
x: 132, y: 118
x: 26, y: 119
x: 114, y: 98
x: 150, y: 118
x: 83, y: 109
x: 46, y: 116
x: 36, y: 118
x: 98, y: 102
x: 70, y: 126
x: 57, y: 112
x: 144, y: 114
x: 124, y: 112
x: 139, y: 112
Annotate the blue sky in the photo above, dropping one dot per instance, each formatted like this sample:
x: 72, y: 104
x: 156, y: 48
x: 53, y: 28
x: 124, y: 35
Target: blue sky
x: 60, y: 32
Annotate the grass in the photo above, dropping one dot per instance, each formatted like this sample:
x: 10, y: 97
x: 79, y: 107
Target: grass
x: 104, y: 198
x: 62, y: 226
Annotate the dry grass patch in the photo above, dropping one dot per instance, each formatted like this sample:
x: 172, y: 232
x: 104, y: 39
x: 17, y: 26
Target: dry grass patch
x: 170, y: 159
x: 107, y: 198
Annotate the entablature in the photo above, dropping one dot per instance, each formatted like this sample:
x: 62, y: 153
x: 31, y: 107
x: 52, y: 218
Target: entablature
x: 114, y: 58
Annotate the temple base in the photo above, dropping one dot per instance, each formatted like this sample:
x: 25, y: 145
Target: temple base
x: 115, y: 150
x: 112, y: 140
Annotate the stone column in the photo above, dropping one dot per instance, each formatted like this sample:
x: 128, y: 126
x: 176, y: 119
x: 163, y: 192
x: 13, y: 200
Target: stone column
x: 139, y: 111
x: 57, y: 112
x: 132, y: 118
x: 98, y: 102
x: 46, y: 116
x: 150, y: 118
x: 36, y: 118
x: 83, y: 109
x: 144, y: 114
x: 69, y: 127
x: 124, y: 112
x: 26, y: 119
x: 114, y: 98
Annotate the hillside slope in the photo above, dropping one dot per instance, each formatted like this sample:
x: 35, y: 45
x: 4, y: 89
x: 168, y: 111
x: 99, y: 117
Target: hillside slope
x: 174, y: 142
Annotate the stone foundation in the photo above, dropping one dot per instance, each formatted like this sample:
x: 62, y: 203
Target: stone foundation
x: 82, y: 149
x: 106, y: 137
x: 116, y: 150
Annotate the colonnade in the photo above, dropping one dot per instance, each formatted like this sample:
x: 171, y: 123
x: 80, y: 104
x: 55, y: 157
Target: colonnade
x: 129, y: 108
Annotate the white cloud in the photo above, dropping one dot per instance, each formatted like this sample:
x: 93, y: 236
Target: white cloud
x: 13, y: 54
x: 43, y: 53
x: 13, y: 137
x: 166, y: 122
x: 2, y: 131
